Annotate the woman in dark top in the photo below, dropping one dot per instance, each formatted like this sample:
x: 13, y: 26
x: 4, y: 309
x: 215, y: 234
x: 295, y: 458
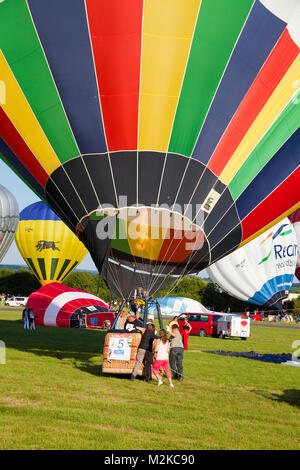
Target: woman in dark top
x: 145, y: 346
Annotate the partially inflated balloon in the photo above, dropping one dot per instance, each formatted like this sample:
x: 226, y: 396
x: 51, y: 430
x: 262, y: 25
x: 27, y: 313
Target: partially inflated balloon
x: 47, y: 245
x: 262, y: 271
x: 9, y: 219
x: 185, y: 111
x: 295, y: 220
x: 176, y: 305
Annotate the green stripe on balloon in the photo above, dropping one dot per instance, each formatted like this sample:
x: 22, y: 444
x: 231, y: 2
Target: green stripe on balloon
x: 285, y: 125
x: 24, y: 54
x: 218, y: 19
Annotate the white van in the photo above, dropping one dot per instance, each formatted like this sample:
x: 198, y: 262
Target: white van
x: 16, y: 301
x: 233, y: 326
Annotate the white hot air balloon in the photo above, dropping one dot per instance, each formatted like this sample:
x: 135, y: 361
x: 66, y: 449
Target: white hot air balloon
x: 9, y: 219
x: 262, y: 271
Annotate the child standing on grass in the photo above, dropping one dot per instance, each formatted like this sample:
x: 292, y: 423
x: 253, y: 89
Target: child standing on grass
x: 162, y: 358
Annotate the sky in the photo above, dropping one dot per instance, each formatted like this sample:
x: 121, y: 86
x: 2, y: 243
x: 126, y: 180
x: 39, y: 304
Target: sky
x: 24, y: 197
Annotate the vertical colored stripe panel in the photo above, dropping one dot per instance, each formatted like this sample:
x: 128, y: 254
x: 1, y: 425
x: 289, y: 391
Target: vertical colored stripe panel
x: 29, y: 261
x: 271, y: 176
x: 168, y: 29
x: 287, y: 123
x: 54, y: 263
x: 42, y: 266
x: 116, y: 29
x: 20, y: 114
x: 274, y: 106
x: 258, y: 37
x: 22, y: 49
x: 218, y: 27
x: 64, y: 34
x: 273, y: 208
x: 69, y: 270
x: 63, y: 268
x: 277, y: 65
x: 14, y: 140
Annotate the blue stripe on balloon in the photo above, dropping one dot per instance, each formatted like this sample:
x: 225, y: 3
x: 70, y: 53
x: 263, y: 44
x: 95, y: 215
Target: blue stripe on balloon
x: 271, y: 287
x: 38, y: 211
x: 63, y: 31
x: 257, y: 40
x: 271, y: 176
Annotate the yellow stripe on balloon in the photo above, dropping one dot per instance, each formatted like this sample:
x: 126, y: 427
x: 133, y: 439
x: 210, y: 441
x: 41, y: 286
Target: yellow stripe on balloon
x: 279, y: 99
x: 21, y: 115
x: 167, y: 33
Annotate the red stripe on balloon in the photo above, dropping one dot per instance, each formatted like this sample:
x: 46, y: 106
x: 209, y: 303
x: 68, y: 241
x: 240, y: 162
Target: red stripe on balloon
x: 14, y: 140
x: 116, y: 32
x: 278, y: 63
x: 273, y: 206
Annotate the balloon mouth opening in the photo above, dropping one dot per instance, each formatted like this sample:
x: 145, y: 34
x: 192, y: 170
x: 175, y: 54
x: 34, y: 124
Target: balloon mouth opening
x: 150, y: 232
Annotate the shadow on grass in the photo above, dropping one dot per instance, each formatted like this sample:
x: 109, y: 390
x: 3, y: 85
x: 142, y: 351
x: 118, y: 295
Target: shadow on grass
x: 78, y: 346
x: 292, y: 397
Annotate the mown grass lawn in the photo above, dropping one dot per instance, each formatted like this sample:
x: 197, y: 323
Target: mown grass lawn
x: 54, y: 396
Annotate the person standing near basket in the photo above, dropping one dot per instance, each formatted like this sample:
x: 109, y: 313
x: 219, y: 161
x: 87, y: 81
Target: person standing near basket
x: 176, y: 353
x: 145, y: 345
x: 162, y: 348
x: 185, y: 333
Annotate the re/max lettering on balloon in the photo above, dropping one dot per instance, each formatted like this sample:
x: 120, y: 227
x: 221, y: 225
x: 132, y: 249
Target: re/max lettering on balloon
x: 283, y: 251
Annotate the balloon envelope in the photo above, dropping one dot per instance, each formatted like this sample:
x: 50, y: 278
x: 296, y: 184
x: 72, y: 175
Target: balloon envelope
x: 58, y: 305
x: 162, y: 107
x: 175, y: 305
x: 47, y: 245
x: 262, y: 271
x: 9, y: 219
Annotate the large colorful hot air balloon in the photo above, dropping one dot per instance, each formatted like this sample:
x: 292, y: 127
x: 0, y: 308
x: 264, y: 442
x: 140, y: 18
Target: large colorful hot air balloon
x: 165, y: 133
x: 9, y: 219
x: 295, y: 220
x: 262, y: 271
x: 47, y: 245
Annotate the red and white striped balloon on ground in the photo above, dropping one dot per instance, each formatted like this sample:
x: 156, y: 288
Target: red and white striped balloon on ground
x: 58, y: 305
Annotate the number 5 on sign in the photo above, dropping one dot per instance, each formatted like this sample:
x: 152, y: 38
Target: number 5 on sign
x: 120, y: 347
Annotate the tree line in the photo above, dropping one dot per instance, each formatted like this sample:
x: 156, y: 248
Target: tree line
x: 23, y: 282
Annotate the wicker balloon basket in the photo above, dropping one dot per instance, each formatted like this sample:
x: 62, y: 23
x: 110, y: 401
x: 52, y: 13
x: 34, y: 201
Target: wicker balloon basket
x: 119, y: 352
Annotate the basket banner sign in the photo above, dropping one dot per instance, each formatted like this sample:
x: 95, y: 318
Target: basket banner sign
x: 119, y: 347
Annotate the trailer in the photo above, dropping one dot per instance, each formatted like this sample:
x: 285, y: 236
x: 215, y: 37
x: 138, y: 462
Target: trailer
x: 233, y: 326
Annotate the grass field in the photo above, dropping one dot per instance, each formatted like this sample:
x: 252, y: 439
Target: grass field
x: 54, y: 396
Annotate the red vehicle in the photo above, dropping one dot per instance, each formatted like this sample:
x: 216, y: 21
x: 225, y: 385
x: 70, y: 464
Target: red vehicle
x: 203, y: 324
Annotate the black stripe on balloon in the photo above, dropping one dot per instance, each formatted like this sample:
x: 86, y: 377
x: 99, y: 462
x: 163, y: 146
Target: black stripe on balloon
x: 150, y: 165
x: 173, y: 174
x: 124, y: 166
x: 191, y: 178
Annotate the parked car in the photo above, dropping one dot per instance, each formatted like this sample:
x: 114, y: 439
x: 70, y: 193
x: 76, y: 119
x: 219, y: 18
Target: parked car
x: 16, y: 301
x: 203, y: 324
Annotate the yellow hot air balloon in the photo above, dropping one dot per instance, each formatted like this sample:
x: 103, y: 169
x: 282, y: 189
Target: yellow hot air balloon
x: 47, y: 245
